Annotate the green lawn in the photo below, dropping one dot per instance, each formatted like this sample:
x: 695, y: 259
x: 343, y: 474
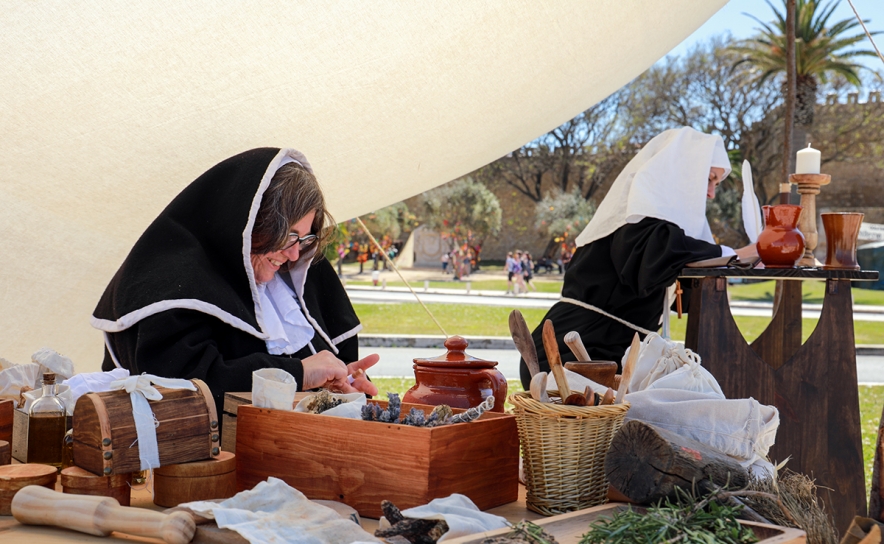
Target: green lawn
x: 472, y: 320
x: 812, y: 292
x: 871, y: 400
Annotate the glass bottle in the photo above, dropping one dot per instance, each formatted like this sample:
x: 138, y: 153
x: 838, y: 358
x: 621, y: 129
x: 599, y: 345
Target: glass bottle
x: 47, y: 426
x: 67, y: 450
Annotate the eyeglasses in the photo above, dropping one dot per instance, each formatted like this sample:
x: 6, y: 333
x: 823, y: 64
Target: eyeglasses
x: 305, y: 241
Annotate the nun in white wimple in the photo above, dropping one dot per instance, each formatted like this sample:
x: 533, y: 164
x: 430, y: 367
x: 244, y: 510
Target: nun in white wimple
x: 650, y: 225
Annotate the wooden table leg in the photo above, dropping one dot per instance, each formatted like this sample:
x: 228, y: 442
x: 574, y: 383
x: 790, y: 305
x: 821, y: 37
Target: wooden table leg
x: 713, y: 334
x: 782, y: 337
x: 818, y: 399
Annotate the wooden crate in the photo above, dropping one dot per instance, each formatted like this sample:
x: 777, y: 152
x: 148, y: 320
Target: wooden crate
x: 361, y: 463
x: 105, y: 439
x: 569, y: 528
x: 232, y: 402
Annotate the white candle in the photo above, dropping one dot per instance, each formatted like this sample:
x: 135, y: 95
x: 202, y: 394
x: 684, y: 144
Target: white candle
x: 807, y: 161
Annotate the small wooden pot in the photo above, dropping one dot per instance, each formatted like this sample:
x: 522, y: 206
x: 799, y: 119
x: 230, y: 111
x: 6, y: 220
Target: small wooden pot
x: 78, y: 481
x: 842, y: 232
x: 15, y: 477
x: 5, y: 452
x: 601, y: 372
x: 197, y: 481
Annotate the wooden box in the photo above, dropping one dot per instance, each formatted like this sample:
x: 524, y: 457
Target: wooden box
x: 196, y: 481
x: 24, y: 433
x: 15, y: 477
x: 105, y: 440
x: 361, y: 463
x: 7, y: 407
x: 232, y: 402
x: 77, y: 481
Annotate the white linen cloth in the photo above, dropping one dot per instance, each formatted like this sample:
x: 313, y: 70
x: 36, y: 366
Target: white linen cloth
x: 273, y: 388
x: 576, y: 383
x: 667, y: 180
x: 671, y: 390
x: 751, y: 209
x: 94, y: 382
x: 14, y: 377
x: 140, y: 391
x: 52, y: 361
x: 460, y: 513
x: 275, y: 512
x: 351, y: 407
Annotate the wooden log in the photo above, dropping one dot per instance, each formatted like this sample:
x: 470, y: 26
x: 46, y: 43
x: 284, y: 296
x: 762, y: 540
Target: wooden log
x: 646, y: 463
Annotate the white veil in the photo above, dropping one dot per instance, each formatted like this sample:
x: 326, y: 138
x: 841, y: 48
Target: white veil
x: 666, y: 180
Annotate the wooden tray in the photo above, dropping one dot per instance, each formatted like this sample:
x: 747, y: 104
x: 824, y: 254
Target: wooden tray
x: 568, y: 528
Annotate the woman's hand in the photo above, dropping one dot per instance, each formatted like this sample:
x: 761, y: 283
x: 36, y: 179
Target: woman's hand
x: 747, y: 253
x: 327, y: 371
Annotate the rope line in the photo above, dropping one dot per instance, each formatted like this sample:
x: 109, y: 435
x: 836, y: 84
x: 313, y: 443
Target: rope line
x: 596, y: 309
x: 868, y: 34
x: 395, y: 269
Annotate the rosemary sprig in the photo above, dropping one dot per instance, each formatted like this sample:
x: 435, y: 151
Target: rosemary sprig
x: 687, y: 521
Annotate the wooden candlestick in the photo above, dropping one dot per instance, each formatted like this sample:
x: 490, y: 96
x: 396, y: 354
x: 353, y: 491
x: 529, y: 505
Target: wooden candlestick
x: 808, y: 187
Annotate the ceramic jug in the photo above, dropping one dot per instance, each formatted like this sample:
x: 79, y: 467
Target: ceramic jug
x: 456, y: 379
x: 780, y: 244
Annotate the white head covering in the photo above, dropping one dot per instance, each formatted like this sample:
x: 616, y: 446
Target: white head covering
x: 666, y: 180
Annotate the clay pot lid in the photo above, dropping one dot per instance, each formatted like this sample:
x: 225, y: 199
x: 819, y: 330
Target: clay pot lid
x: 223, y: 464
x: 456, y: 356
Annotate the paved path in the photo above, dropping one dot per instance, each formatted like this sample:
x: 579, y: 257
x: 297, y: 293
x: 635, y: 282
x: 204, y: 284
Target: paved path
x: 399, y: 362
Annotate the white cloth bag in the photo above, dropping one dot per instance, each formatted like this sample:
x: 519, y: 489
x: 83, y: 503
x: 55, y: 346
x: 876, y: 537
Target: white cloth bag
x: 351, y: 407
x: 274, y: 388
x: 664, y: 364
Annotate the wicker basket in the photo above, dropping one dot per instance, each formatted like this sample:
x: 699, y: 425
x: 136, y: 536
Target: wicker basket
x: 563, y: 451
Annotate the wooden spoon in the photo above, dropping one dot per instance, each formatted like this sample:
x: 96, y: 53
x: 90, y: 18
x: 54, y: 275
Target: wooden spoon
x: 524, y: 342
x: 576, y: 344
x: 555, y: 360
x: 538, y: 387
x: 626, y: 375
x: 608, y: 398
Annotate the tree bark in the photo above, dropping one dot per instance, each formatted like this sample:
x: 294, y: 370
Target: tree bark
x: 647, y: 464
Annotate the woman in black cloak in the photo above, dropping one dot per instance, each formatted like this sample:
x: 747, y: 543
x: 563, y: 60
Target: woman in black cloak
x: 230, y: 279
x: 649, y: 226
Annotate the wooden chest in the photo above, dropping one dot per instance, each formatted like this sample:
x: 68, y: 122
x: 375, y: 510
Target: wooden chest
x: 361, y: 463
x: 105, y: 439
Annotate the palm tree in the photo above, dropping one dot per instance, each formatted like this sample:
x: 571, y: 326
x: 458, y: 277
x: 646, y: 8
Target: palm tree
x: 821, y: 50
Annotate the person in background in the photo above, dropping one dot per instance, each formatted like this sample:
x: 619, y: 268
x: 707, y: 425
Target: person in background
x: 445, y: 259
x: 230, y: 278
x: 528, y: 270
x: 509, y: 268
x: 649, y: 226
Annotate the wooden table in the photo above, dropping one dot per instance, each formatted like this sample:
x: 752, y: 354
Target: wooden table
x: 814, y: 385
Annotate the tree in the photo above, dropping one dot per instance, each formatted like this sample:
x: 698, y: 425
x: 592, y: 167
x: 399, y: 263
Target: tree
x: 581, y: 153
x: 563, y: 215
x: 821, y: 51
x: 464, y: 212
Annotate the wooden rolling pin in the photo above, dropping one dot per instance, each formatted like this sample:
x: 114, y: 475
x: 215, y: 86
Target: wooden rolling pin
x: 555, y: 360
x: 100, y: 516
x: 576, y: 344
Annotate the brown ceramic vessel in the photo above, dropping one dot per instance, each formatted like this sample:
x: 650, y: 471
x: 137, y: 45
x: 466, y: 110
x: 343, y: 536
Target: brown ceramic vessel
x: 456, y: 379
x: 781, y: 244
x: 842, y: 232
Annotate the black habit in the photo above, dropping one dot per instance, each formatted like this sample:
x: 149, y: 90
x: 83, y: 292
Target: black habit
x: 182, y: 305
x: 625, y: 274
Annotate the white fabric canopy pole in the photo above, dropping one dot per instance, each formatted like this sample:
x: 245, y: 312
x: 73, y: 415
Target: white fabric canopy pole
x: 108, y: 110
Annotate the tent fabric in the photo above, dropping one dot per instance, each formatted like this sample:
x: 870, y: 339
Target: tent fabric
x: 108, y: 111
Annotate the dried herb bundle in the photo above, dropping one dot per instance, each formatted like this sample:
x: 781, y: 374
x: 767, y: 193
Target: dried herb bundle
x: 797, y: 495
x: 322, y: 401
x: 416, y: 531
x: 441, y: 415
x: 686, y: 521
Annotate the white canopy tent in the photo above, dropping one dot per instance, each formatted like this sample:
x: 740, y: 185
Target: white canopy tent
x: 107, y: 111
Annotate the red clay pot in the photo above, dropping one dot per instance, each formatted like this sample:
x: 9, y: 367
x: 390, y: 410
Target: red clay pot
x: 456, y: 379
x: 781, y: 244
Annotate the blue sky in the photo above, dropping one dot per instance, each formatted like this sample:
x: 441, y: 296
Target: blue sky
x: 731, y: 19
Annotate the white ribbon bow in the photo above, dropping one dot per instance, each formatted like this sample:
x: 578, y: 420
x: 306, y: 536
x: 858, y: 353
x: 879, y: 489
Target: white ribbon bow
x: 140, y: 391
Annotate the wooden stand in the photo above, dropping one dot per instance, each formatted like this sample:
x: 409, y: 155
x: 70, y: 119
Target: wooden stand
x: 814, y: 385
x: 808, y: 187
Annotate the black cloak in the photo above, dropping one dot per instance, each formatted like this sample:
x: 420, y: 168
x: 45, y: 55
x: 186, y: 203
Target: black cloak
x: 625, y: 274
x: 184, y: 302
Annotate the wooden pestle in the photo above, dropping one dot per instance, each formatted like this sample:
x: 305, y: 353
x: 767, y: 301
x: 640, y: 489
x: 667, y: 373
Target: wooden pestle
x: 628, y: 367
x: 100, y: 516
x: 576, y: 344
x: 555, y: 360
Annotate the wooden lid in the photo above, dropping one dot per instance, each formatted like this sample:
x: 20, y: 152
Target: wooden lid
x: 15, y: 477
x: 224, y: 463
x: 78, y: 478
